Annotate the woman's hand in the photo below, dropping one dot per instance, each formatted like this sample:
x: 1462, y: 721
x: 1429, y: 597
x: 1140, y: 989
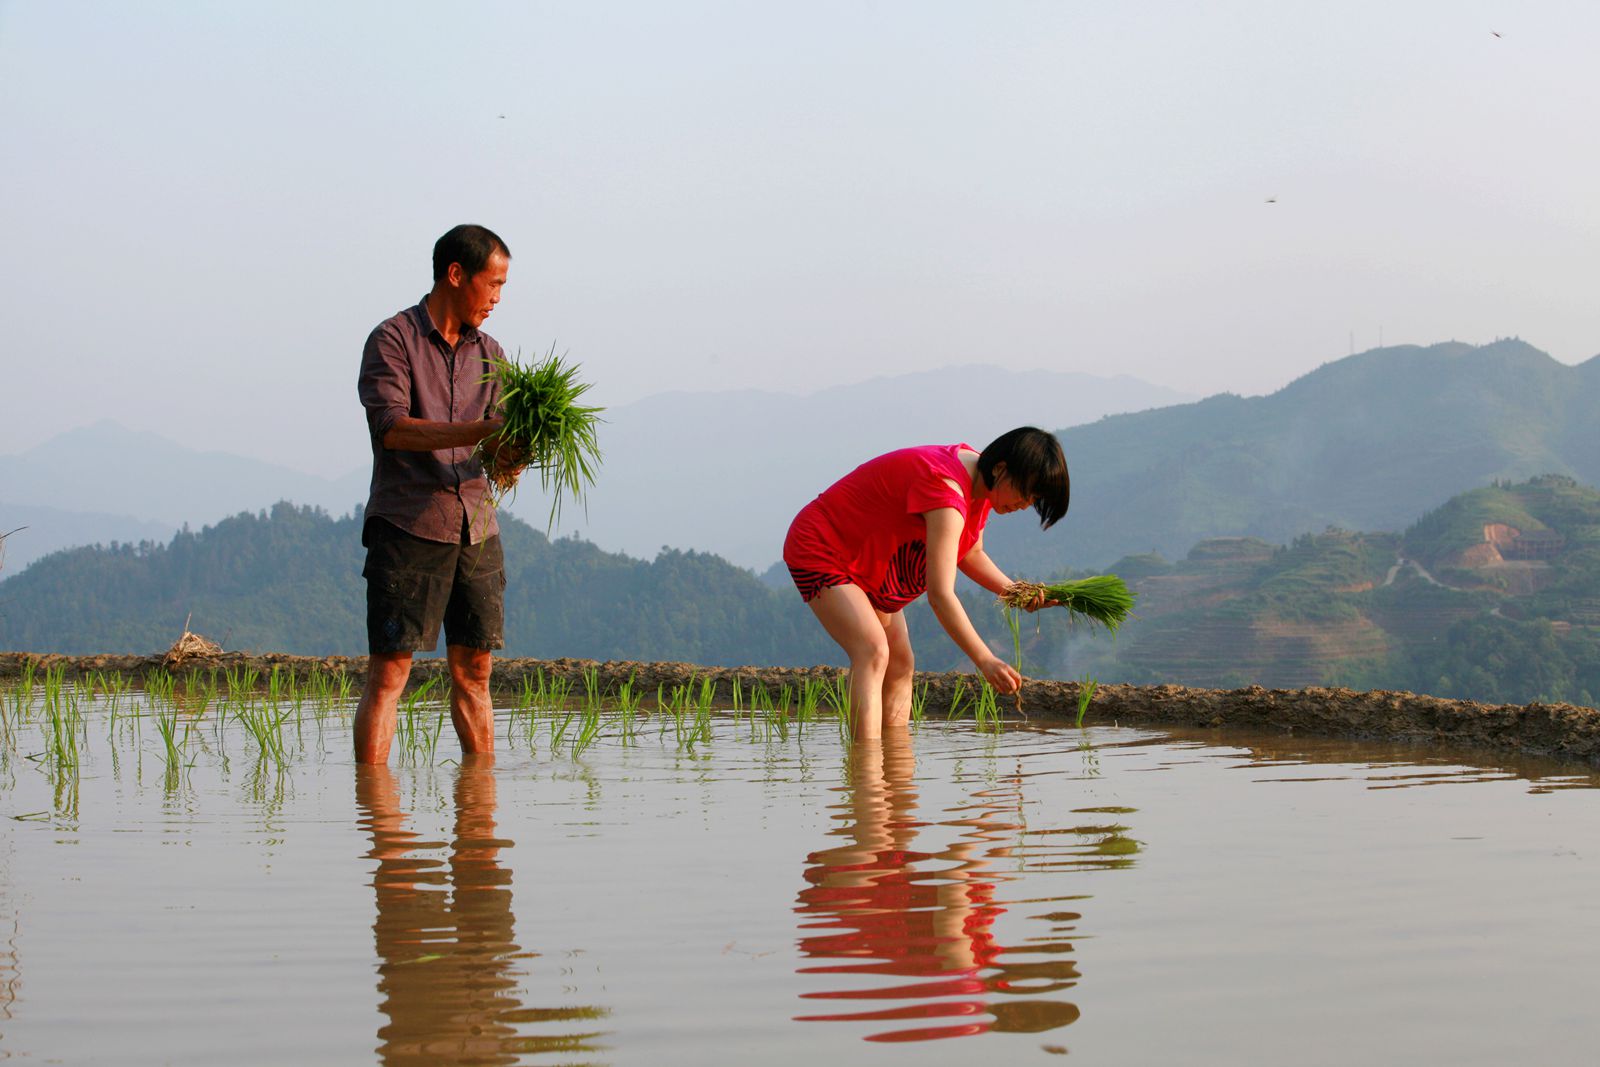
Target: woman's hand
x: 1000, y: 674
x: 1037, y: 601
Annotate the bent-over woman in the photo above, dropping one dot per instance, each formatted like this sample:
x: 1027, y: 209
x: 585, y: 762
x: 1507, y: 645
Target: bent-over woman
x: 902, y: 524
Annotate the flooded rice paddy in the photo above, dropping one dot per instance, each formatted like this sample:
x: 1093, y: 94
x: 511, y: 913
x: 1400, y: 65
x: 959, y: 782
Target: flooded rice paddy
x: 199, y: 874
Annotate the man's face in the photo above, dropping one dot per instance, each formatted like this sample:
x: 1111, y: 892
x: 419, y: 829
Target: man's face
x: 476, y: 296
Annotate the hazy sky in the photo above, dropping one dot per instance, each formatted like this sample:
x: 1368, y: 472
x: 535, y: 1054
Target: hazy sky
x: 207, y: 206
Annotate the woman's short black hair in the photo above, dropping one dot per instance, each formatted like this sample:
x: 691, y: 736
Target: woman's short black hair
x: 1037, y: 467
x: 469, y: 245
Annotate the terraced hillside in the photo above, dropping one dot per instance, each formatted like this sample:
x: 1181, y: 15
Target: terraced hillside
x: 1497, y: 592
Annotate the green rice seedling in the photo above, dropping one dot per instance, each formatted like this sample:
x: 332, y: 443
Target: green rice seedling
x: 777, y: 722
x: 62, y: 721
x: 160, y: 687
x: 760, y: 698
x: 628, y: 700
x: 811, y: 694
x: 1013, y: 617
x: 410, y: 729
x: 1086, y: 688
x: 701, y: 729
x: 986, y: 713
x: 837, y: 695
x: 591, y: 689
x: 919, y: 702
x: 242, y: 684
x: 588, y: 729
x: 8, y: 733
x: 275, y: 686
x: 738, y: 694
x: 433, y: 734
x: 958, y: 696
x: 172, y: 746
x: 534, y: 690
x: 21, y: 694
x: 1103, y: 599
x: 264, y: 723
x: 558, y: 730
x: 560, y: 692
x: 545, y: 429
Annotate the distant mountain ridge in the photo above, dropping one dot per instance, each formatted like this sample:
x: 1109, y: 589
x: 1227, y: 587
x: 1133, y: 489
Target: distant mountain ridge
x: 718, y: 471
x: 104, y: 482
x: 1495, y: 596
x: 1368, y: 442
x: 726, y: 472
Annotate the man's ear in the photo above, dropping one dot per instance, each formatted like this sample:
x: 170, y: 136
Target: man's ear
x: 456, y: 275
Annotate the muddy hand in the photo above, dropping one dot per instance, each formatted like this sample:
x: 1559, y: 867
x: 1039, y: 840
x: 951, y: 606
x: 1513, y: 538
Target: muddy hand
x: 1000, y: 674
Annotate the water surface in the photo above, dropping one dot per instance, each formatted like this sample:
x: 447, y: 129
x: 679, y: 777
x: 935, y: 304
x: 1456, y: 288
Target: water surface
x: 1122, y: 896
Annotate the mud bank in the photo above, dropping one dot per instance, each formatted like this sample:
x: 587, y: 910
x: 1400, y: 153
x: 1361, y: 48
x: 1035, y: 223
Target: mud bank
x: 1563, y: 731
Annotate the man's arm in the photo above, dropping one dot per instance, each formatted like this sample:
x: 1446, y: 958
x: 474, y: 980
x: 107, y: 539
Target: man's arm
x: 406, y: 434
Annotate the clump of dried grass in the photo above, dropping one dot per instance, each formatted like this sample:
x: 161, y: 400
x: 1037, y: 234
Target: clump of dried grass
x: 188, y: 647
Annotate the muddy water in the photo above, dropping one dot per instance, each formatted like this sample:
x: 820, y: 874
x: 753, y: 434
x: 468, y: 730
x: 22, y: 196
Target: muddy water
x: 1125, y: 896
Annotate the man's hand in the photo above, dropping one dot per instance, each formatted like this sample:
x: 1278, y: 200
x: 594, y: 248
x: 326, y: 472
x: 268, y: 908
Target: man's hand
x: 503, y: 453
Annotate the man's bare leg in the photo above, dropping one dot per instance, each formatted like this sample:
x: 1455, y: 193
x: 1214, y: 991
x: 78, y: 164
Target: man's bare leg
x: 471, y: 710
x: 380, y: 698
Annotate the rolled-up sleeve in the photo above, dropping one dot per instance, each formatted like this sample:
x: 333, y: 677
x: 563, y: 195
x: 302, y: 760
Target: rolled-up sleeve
x: 385, y: 382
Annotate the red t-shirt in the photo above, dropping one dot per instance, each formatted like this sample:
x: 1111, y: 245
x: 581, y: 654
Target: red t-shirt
x: 868, y: 526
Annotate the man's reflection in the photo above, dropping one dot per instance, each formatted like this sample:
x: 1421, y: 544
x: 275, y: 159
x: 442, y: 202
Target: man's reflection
x: 883, y: 908
x: 446, y: 971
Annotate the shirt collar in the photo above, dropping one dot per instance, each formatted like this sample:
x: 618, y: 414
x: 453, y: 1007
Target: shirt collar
x: 425, y: 322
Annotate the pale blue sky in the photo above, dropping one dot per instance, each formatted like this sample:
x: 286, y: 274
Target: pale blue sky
x: 207, y: 206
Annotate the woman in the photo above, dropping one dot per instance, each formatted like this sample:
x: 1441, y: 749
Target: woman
x: 904, y: 523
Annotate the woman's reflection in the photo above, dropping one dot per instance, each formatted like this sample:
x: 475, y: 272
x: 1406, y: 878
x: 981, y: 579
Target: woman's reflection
x: 446, y: 971
x: 883, y: 908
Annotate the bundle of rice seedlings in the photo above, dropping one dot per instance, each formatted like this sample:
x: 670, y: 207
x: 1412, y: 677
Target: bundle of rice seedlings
x: 1104, y: 598
x: 546, y: 429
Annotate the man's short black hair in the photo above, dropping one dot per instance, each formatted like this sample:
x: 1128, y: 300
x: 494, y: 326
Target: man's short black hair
x: 469, y: 245
x: 1036, y: 466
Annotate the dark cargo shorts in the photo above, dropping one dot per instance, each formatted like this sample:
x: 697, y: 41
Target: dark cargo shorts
x: 413, y: 585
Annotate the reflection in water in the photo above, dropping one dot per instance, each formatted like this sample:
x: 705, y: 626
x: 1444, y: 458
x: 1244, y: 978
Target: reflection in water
x: 1289, y: 759
x: 883, y: 908
x: 447, y: 975
x: 10, y: 977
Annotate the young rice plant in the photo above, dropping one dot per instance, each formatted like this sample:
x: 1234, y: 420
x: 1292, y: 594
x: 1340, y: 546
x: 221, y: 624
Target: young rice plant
x: 545, y: 428
x: 1103, y: 599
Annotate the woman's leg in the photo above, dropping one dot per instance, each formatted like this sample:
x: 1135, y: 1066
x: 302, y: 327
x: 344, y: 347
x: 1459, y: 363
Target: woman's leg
x: 851, y: 620
x: 897, y: 678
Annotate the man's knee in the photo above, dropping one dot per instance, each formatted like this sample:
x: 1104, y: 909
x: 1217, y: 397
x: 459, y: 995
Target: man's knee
x: 469, y: 667
x: 387, y: 672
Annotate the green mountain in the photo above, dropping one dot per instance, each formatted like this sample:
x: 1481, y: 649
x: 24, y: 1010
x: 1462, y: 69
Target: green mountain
x: 1493, y: 596
x: 289, y: 580
x: 1368, y: 442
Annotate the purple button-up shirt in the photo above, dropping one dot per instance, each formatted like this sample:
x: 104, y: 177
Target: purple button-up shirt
x: 407, y: 369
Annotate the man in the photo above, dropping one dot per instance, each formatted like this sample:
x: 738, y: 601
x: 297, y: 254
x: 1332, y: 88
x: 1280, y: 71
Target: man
x: 433, y: 545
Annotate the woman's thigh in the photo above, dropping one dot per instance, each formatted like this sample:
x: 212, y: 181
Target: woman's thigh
x: 851, y: 620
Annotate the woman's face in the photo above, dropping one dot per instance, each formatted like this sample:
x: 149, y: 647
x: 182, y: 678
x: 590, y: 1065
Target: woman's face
x: 1005, y: 497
